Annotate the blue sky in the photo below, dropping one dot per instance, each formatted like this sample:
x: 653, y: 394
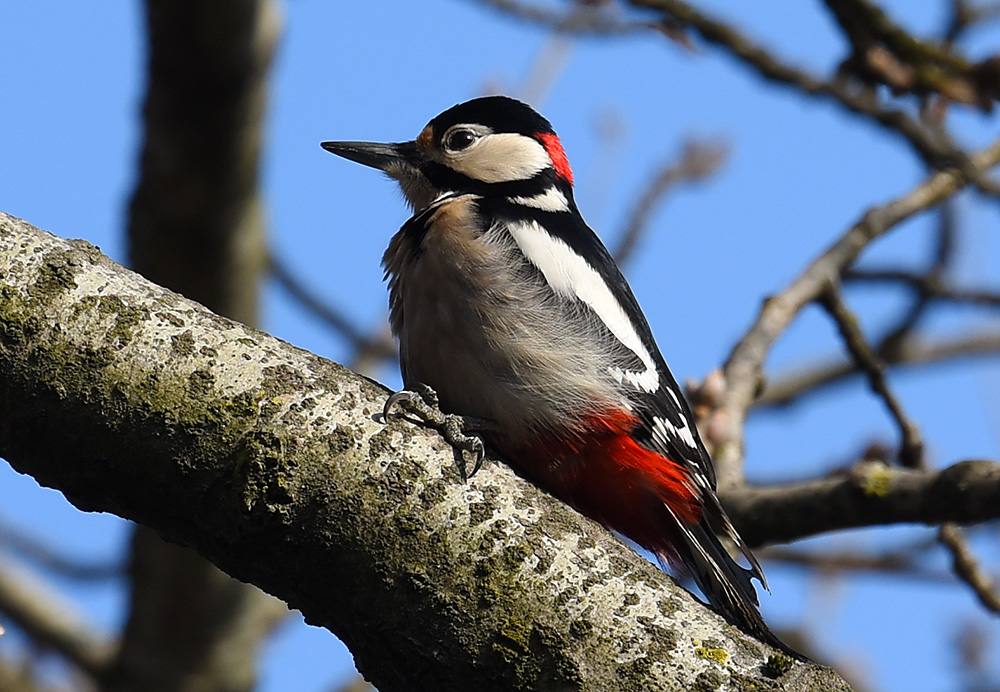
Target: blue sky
x: 797, y: 175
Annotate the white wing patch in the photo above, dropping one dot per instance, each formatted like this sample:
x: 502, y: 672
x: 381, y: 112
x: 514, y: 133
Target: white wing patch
x: 571, y: 276
x: 550, y: 200
x: 664, y: 432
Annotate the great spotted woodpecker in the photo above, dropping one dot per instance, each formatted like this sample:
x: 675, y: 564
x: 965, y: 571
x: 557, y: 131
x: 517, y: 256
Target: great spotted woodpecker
x: 508, y: 306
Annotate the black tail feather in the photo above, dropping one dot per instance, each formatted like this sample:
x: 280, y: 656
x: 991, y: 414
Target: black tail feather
x: 727, y: 585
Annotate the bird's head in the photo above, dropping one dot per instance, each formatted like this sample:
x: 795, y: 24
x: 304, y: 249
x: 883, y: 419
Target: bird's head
x: 494, y: 145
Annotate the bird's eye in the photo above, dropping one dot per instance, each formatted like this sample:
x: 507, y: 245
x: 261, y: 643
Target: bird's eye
x: 459, y: 139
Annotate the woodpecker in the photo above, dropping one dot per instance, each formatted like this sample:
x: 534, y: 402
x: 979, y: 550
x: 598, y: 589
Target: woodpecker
x: 508, y: 307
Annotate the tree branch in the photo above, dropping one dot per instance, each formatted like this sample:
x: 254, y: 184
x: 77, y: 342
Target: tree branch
x: 967, y: 568
x: 897, y: 563
x: 196, y: 224
x: 52, y: 623
x: 775, y: 70
x: 885, y: 53
x: 911, y: 449
x: 744, y: 366
x: 783, y: 389
x: 33, y: 550
x: 870, y: 494
x: 698, y: 161
x: 587, y: 18
x: 930, y: 285
x: 270, y: 462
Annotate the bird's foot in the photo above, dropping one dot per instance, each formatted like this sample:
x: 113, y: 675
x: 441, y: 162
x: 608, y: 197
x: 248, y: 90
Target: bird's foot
x: 422, y: 402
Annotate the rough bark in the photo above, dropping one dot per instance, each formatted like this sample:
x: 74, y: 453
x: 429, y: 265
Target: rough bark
x: 273, y: 463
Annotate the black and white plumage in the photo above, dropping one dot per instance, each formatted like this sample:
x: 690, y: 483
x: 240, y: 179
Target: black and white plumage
x: 508, y: 305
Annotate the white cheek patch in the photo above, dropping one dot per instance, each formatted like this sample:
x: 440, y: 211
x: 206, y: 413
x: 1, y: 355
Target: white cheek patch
x: 550, y: 200
x: 569, y: 275
x: 500, y: 158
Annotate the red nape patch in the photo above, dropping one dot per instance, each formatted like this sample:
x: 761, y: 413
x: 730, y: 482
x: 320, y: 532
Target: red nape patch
x: 555, y: 151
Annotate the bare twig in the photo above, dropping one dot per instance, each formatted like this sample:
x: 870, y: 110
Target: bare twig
x: 911, y: 449
x: 366, y: 347
x: 776, y: 70
x: 943, y: 254
x: 583, y: 18
x: 34, y: 550
x: 901, y: 562
x: 899, y: 346
x: 698, y: 160
x: 53, y: 623
x: 967, y: 567
x: 965, y: 15
x: 745, y: 362
x: 885, y: 53
x: 925, y: 284
x: 936, y: 151
x: 912, y: 351
x: 964, y: 562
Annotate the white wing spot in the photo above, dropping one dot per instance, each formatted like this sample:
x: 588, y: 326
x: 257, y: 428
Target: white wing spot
x: 647, y: 380
x: 673, y: 395
x: 663, y: 431
x: 569, y: 275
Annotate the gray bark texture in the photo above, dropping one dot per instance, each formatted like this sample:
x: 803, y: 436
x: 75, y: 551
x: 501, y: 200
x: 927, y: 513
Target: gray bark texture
x: 274, y: 464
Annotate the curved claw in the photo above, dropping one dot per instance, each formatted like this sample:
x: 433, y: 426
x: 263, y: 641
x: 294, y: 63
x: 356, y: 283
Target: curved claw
x: 480, y: 452
x: 423, y: 402
x: 397, y: 398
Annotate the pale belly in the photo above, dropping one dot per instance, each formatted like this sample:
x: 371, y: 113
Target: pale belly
x: 496, y: 354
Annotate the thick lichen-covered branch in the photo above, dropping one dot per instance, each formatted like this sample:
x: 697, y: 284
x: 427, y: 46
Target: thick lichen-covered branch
x: 274, y: 464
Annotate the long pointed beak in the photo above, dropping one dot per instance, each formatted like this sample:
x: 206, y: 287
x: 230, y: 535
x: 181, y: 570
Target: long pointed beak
x: 387, y: 157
